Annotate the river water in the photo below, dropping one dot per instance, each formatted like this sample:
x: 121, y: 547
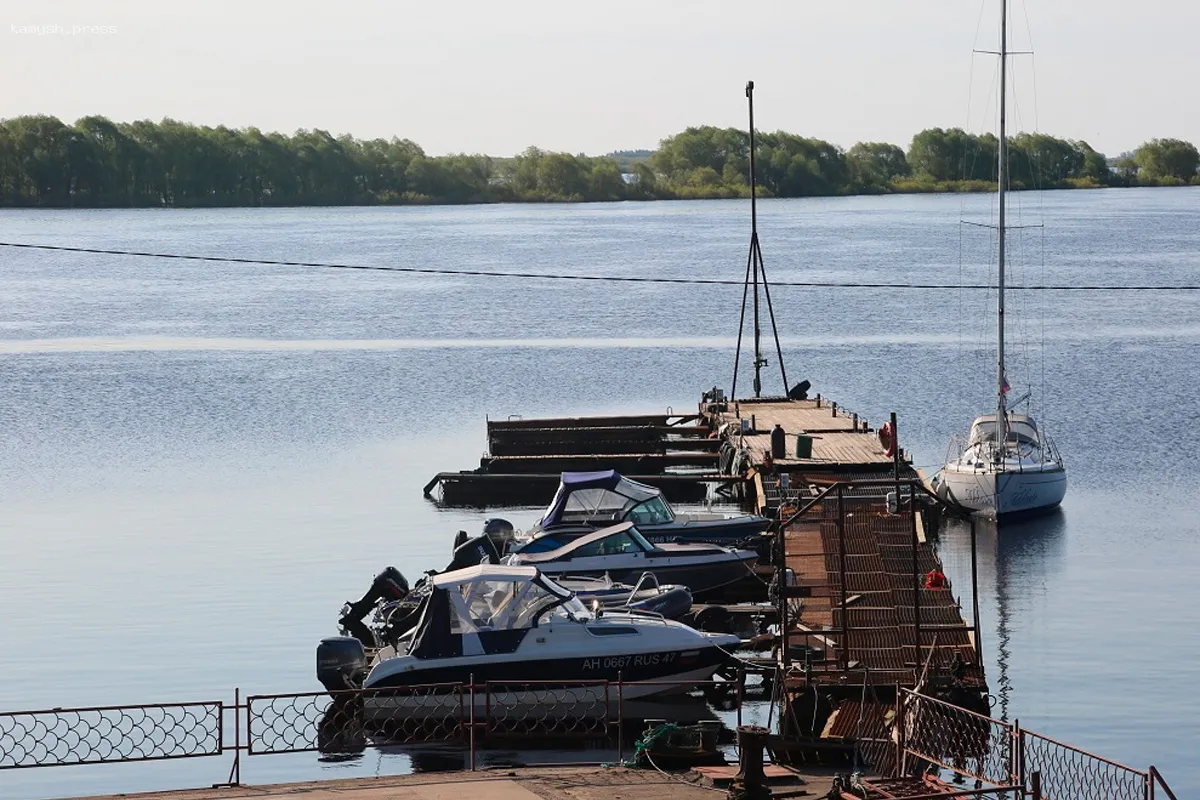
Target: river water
x: 202, y: 461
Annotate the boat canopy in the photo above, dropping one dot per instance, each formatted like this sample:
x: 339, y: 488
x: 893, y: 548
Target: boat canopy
x: 605, y: 496
x: 1021, y: 428
x: 613, y: 540
x: 485, y: 609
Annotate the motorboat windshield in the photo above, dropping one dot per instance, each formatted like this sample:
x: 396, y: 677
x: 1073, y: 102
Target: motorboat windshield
x: 614, y: 540
x: 486, y: 601
x: 605, y: 497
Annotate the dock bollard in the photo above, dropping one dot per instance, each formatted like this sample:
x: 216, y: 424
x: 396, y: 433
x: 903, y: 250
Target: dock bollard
x: 750, y: 783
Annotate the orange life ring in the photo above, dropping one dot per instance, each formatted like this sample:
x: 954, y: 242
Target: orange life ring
x: 887, y: 438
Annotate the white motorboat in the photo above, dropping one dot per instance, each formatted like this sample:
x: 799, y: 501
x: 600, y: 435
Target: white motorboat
x: 620, y: 551
x: 1007, y: 466
x: 586, y: 501
x: 515, y: 631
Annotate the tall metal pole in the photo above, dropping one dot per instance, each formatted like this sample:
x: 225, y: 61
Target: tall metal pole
x: 755, y: 268
x: 1002, y: 185
x: 755, y: 254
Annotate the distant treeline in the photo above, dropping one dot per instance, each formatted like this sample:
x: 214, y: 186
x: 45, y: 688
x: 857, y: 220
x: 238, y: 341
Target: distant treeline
x: 99, y: 163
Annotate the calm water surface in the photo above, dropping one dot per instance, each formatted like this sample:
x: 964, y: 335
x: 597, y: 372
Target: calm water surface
x: 203, y: 461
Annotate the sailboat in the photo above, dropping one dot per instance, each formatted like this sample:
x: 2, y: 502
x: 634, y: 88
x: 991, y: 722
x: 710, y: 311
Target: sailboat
x: 1008, y: 466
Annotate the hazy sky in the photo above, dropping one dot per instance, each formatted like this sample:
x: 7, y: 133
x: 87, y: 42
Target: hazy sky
x: 585, y: 76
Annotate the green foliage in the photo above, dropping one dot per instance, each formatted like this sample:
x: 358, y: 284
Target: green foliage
x: 1162, y: 159
x: 99, y: 163
x: 875, y: 165
x: 952, y: 154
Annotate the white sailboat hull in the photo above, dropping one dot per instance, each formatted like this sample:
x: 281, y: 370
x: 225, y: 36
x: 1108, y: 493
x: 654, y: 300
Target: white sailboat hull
x: 1004, y: 493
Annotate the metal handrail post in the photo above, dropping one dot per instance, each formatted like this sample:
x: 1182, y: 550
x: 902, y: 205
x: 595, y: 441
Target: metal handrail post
x: 898, y: 722
x: 916, y: 577
x: 1016, y: 756
x: 841, y: 528
x: 620, y: 717
x: 471, y: 725
x: 741, y: 692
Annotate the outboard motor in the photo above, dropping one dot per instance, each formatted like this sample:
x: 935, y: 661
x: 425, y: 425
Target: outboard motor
x: 498, y: 528
x: 388, y: 585
x: 799, y: 391
x: 341, y: 663
x: 480, y: 550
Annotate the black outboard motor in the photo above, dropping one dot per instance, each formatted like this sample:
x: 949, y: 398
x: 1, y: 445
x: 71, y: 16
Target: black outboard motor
x: 388, y: 585
x: 341, y: 663
x: 480, y: 550
x: 800, y: 391
x: 497, y: 527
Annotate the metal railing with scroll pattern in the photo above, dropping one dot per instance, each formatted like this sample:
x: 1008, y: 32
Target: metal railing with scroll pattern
x: 958, y: 740
x: 1069, y: 773
x: 105, y: 734
x: 934, y: 732
x: 348, y: 720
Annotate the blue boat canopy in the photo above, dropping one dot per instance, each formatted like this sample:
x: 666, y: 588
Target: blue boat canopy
x: 604, y: 497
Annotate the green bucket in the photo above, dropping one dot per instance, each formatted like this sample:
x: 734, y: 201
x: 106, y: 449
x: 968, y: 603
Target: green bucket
x: 803, y: 446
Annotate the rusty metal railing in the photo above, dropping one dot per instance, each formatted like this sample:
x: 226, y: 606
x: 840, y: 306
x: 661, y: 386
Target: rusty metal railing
x: 934, y: 732
x: 955, y: 739
x: 1069, y: 773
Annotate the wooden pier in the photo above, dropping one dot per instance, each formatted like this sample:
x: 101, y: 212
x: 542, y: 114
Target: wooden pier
x: 676, y: 453
x: 863, y: 602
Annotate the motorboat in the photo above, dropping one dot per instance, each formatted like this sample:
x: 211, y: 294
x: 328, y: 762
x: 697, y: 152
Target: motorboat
x: 586, y: 501
x: 623, y: 553
x: 1008, y: 467
x: 392, y: 606
x: 525, y: 641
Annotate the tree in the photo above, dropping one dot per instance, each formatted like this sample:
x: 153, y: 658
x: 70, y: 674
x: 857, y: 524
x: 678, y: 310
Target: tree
x: 562, y: 176
x: 606, y: 182
x: 953, y: 154
x: 645, y: 182
x: 1167, y: 158
x: 1095, y: 165
x: 1037, y: 160
x: 873, y: 165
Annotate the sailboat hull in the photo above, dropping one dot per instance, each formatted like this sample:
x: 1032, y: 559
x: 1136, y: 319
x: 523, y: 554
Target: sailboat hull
x: 1004, y: 494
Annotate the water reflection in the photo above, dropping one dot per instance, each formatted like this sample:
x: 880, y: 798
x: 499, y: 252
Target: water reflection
x: 1014, y: 561
x: 344, y: 734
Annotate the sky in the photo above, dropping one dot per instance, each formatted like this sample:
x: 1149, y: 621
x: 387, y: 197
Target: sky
x: 496, y: 76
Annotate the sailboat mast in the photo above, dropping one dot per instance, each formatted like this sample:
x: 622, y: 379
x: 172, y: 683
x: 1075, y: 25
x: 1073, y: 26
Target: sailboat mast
x: 1002, y: 182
